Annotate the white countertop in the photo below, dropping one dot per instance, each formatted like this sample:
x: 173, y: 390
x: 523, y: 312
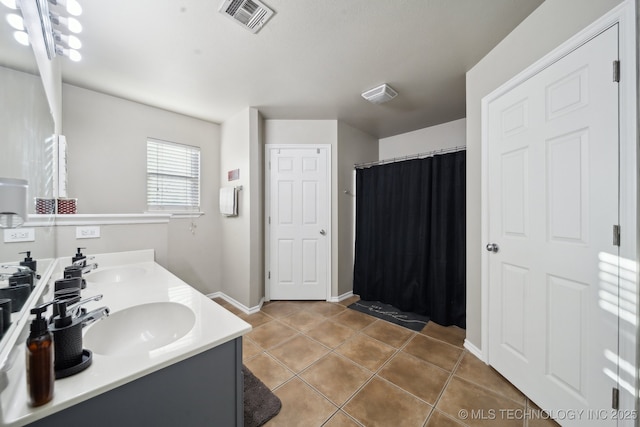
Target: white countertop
x: 213, y: 326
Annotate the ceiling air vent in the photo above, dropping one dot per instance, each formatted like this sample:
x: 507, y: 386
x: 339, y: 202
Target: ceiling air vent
x: 251, y: 14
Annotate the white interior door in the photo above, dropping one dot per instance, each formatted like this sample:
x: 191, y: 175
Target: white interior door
x: 299, y: 223
x: 553, y: 202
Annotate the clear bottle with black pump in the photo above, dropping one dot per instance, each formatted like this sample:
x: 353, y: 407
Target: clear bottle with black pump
x: 40, y: 373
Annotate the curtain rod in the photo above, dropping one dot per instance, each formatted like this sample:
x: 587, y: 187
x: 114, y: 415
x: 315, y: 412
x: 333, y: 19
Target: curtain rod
x: 410, y: 157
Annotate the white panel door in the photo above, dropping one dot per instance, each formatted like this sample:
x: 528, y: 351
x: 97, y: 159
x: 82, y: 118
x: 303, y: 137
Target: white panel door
x: 553, y: 201
x: 299, y: 223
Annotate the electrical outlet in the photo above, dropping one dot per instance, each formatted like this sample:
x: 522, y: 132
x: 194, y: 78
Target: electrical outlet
x: 88, y: 232
x: 19, y: 235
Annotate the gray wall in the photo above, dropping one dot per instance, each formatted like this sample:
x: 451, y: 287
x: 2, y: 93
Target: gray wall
x: 242, y: 242
x: 547, y: 27
x: 106, y: 138
x: 446, y: 135
x: 354, y: 146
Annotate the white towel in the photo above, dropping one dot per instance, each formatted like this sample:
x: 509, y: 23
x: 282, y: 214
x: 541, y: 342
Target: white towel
x: 228, y: 201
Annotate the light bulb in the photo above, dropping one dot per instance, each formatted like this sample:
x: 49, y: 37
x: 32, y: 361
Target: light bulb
x: 74, y: 55
x: 71, y: 23
x: 74, y: 25
x: 74, y: 8
x: 21, y: 37
x: 70, y: 40
x: 15, y: 21
x: 73, y: 42
x: 11, y: 4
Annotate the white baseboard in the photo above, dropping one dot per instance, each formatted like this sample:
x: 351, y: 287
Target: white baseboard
x: 236, y: 304
x: 341, y: 297
x: 475, y: 351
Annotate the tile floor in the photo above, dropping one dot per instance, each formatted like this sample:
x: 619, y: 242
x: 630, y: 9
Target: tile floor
x: 332, y: 366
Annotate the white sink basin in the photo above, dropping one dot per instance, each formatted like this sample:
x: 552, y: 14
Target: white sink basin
x: 115, y: 275
x: 139, y: 329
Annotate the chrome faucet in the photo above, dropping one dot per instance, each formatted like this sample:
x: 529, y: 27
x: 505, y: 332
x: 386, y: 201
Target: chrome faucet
x: 94, y: 315
x: 83, y: 263
x: 17, y: 269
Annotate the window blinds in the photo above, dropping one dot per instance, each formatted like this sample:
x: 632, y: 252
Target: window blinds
x: 173, y: 176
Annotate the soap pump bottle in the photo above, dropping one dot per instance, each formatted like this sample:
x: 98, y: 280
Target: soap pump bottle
x: 40, y: 373
x: 29, y: 262
x: 79, y: 257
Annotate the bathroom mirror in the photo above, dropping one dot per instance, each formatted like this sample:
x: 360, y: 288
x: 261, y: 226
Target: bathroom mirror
x: 26, y: 129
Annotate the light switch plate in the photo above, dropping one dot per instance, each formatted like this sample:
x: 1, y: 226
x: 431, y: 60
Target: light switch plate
x: 14, y: 235
x: 88, y: 232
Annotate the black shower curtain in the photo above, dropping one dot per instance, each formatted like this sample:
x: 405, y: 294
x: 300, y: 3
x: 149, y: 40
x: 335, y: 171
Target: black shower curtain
x: 410, y: 236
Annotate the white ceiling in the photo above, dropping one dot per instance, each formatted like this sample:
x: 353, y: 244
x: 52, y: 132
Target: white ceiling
x: 310, y: 61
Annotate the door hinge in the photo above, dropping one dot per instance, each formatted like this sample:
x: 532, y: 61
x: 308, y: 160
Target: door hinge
x: 269, y: 164
x: 615, y: 398
x: 269, y: 275
x: 269, y: 220
x: 616, y: 71
x: 616, y: 235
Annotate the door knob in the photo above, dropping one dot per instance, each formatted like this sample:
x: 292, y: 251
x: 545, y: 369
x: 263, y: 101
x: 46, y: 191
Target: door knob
x: 493, y: 247
x: 324, y: 233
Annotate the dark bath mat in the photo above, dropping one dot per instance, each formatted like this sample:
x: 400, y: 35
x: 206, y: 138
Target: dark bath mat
x: 260, y: 404
x: 387, y: 312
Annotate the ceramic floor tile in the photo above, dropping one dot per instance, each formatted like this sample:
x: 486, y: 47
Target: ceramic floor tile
x: 303, y: 320
x: 326, y: 309
x: 301, y: 406
x: 353, y: 319
x: 298, y: 353
x: 419, y: 378
x: 536, y: 417
x: 340, y: 419
x: 330, y: 333
x: 270, y: 372
x: 478, y: 406
x: 433, y: 351
x: 476, y: 371
x: 449, y: 334
x: 249, y: 349
x: 255, y: 319
x: 388, y: 333
x: 366, y: 351
x: 271, y: 334
x: 381, y: 404
x: 439, y: 419
x: 336, y: 377
x: 280, y: 309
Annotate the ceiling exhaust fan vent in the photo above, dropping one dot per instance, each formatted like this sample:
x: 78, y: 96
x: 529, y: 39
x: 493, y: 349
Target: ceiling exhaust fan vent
x: 380, y: 94
x: 251, y: 14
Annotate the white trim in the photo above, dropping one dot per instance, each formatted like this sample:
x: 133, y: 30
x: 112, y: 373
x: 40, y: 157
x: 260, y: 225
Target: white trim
x: 342, y: 297
x: 109, y: 219
x: 624, y: 15
x: 237, y: 304
x: 267, y: 209
x: 475, y: 351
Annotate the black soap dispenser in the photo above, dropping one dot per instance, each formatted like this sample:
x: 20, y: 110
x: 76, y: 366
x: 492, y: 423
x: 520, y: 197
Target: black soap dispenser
x: 29, y: 262
x: 40, y: 373
x: 79, y: 256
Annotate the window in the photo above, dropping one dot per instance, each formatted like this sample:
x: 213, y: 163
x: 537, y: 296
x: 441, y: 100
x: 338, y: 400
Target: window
x: 173, y: 176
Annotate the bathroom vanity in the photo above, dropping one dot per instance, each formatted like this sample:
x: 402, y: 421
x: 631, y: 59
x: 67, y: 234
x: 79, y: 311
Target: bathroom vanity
x: 166, y: 355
